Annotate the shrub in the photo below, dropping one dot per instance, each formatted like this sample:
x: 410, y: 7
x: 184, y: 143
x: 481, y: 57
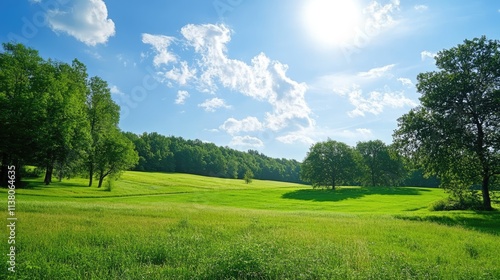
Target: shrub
x: 448, y: 204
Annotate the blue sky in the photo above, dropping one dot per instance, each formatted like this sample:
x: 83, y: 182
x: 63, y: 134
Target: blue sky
x: 274, y: 76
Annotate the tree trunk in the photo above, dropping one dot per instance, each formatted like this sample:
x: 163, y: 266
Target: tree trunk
x: 48, y: 174
x: 486, y: 193
x: 101, y: 179
x: 4, y: 171
x: 91, y: 174
x: 373, y: 177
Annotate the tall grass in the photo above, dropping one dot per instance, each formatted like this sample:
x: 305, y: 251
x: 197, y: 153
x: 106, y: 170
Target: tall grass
x: 225, y: 229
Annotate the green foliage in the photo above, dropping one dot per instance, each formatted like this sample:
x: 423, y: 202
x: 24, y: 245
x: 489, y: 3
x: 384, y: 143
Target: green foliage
x: 174, y: 154
x: 54, y: 117
x: 383, y: 166
x: 330, y: 164
x: 22, y: 101
x: 114, y: 154
x: 248, y: 177
x: 470, y: 202
x: 455, y: 133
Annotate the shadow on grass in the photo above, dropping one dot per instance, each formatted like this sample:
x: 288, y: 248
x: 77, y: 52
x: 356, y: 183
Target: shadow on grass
x: 39, y: 185
x: 483, y: 221
x: 348, y: 193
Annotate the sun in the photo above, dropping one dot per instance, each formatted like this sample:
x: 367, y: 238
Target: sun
x: 331, y: 22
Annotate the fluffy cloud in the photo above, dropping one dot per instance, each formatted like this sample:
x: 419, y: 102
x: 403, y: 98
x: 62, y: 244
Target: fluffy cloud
x: 380, y: 16
x: 247, y: 141
x: 182, y: 95
x: 181, y: 75
x: 262, y: 79
x: 86, y: 20
x: 376, y: 101
x: 427, y: 54
x: 211, y: 105
x: 160, y: 44
x: 233, y: 126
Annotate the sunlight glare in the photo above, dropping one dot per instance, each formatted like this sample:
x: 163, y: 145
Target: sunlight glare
x: 331, y: 22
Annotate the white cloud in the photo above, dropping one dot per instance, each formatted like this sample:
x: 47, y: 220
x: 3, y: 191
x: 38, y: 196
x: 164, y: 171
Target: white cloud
x: 427, y: 54
x: 182, y: 95
x: 406, y: 82
x: 421, y: 8
x: 160, y: 44
x: 180, y: 75
x: 246, y: 141
x: 380, y: 16
x: 86, y: 20
x: 233, y: 126
x: 210, y: 105
x: 377, y: 72
x: 115, y: 90
x: 262, y: 79
x: 376, y: 101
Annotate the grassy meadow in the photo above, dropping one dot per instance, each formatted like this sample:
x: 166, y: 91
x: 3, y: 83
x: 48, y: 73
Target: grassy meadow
x: 179, y: 226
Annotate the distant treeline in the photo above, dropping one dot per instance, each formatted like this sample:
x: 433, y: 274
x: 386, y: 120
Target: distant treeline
x: 160, y: 153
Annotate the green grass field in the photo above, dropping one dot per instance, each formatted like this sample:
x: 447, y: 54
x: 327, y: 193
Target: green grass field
x: 178, y: 226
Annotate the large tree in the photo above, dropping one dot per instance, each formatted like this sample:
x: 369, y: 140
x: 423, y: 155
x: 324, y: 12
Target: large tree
x: 115, y: 154
x: 455, y: 133
x: 22, y: 100
x: 329, y: 164
x: 64, y: 130
x: 103, y: 117
x: 383, y: 167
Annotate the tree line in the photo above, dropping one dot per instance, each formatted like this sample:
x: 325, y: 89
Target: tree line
x: 54, y: 116
x: 174, y: 154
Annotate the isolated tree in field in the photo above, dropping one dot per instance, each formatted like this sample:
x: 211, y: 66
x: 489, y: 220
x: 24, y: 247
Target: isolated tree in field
x: 115, y: 153
x: 329, y: 164
x: 455, y: 133
x: 383, y: 167
x: 22, y: 101
x: 248, y: 177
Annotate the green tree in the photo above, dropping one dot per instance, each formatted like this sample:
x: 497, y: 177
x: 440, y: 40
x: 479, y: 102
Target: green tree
x: 64, y: 131
x: 116, y: 153
x: 329, y: 164
x: 455, y: 133
x: 103, y: 116
x: 383, y: 166
x: 248, y: 177
x: 22, y: 104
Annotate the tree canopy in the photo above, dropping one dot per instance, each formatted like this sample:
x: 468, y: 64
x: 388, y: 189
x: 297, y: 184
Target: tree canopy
x: 54, y: 117
x: 383, y: 166
x: 330, y: 164
x: 455, y: 132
